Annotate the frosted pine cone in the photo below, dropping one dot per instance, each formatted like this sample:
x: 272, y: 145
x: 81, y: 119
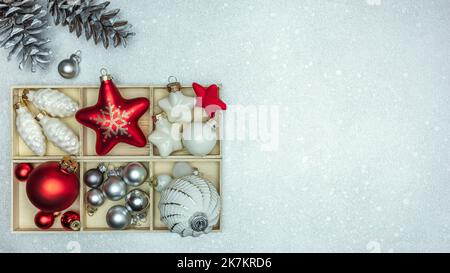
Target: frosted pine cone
x: 30, y: 131
x: 59, y: 134
x: 52, y: 101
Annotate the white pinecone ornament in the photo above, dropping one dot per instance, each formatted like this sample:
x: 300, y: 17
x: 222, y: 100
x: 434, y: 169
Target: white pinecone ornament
x: 53, y: 102
x: 59, y: 134
x: 29, y: 130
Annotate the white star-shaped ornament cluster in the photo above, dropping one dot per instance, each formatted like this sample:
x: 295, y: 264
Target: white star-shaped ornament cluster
x: 166, y: 136
x: 178, y: 107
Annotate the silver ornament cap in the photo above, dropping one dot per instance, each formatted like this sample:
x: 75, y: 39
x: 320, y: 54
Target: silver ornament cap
x: 114, y: 188
x: 118, y: 217
x: 134, y: 174
x: 69, y: 68
x: 137, y: 201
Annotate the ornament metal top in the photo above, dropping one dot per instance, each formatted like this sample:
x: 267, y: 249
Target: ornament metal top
x: 69, y: 68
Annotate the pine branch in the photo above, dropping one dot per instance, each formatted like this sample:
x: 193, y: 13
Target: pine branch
x: 21, y: 26
x: 97, y: 23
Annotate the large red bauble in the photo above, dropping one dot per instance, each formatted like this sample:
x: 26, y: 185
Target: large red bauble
x: 114, y: 119
x: 44, y: 220
x: 51, y: 188
x: 22, y: 171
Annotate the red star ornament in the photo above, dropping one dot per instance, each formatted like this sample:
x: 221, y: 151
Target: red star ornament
x: 114, y: 119
x: 208, y: 98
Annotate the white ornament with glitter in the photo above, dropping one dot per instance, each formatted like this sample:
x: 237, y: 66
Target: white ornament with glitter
x: 59, y: 134
x: 29, y: 130
x: 52, y: 101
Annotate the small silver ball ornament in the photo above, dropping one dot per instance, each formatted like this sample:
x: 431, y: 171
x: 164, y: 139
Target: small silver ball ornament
x: 95, y: 198
x: 114, y: 188
x: 93, y: 178
x: 118, y: 217
x: 134, y: 174
x: 137, y: 201
x: 69, y: 68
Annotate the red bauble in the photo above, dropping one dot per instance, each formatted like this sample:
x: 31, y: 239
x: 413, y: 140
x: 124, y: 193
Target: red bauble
x: 52, y: 188
x: 70, y: 220
x: 44, y: 220
x: 22, y: 171
x: 208, y: 98
x: 113, y: 118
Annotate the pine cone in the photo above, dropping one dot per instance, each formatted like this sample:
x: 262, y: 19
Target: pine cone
x: 21, y: 26
x: 93, y: 18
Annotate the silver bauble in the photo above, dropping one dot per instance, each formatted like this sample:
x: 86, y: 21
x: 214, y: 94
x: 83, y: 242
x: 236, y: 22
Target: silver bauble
x: 118, y: 217
x: 137, y: 201
x: 93, y: 178
x: 95, y: 198
x: 69, y: 68
x: 114, y: 188
x: 134, y: 174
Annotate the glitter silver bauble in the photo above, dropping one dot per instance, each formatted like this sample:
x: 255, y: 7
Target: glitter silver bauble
x: 93, y: 178
x: 134, y: 174
x: 114, y: 188
x: 69, y: 68
x: 118, y: 217
x: 137, y: 201
x: 95, y: 198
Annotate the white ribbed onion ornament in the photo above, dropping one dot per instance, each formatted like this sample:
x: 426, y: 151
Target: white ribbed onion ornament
x: 59, y: 134
x: 52, y: 101
x: 29, y: 130
x: 190, y: 205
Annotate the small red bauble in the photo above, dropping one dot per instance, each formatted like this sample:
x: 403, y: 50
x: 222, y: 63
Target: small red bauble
x: 70, y: 220
x: 22, y: 171
x: 44, y: 220
x: 52, y: 187
x: 114, y: 119
x: 208, y: 98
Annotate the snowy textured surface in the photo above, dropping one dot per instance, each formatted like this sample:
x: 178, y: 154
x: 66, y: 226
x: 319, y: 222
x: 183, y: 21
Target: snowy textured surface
x: 363, y: 88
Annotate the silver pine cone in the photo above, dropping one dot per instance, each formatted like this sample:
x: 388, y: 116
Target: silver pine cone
x: 92, y: 17
x: 21, y: 27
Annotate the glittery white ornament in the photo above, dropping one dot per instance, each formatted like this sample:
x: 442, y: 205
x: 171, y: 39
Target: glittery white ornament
x: 59, y: 134
x: 190, y: 206
x: 166, y: 136
x: 29, y: 130
x: 200, y: 138
x: 177, y: 106
x: 53, y: 102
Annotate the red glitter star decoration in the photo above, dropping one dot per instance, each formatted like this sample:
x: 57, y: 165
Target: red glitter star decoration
x: 114, y: 119
x: 208, y: 98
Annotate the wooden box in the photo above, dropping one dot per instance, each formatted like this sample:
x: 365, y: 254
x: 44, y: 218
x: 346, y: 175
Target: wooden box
x: 23, y: 211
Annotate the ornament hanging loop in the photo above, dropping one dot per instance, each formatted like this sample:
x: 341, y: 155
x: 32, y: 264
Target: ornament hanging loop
x: 104, y: 75
x: 172, y: 79
x: 173, y: 84
x: 91, y: 210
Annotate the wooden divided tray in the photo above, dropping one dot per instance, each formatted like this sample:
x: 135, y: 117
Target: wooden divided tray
x: 210, y: 166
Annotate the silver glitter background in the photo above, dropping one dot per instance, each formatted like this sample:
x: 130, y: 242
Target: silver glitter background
x: 363, y: 161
